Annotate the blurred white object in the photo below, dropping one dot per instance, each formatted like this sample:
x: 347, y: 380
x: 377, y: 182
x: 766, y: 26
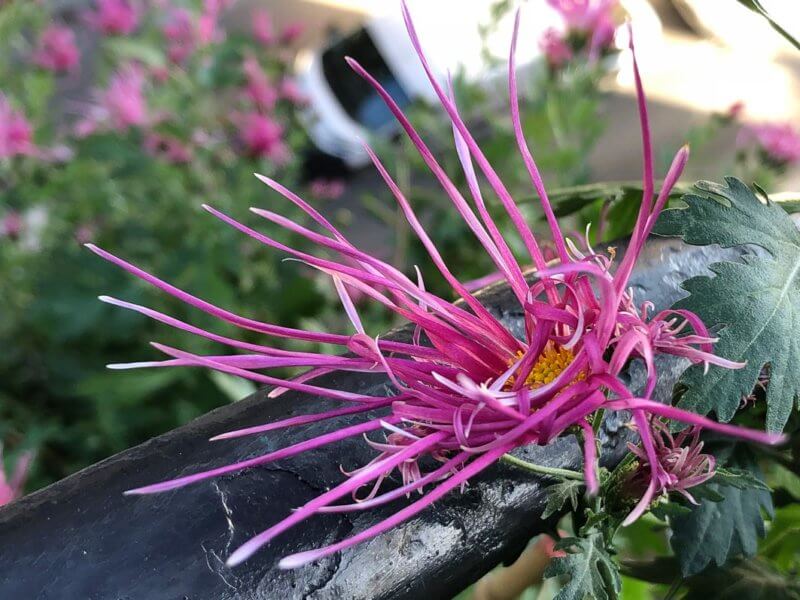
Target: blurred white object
x: 739, y: 27
x: 343, y: 109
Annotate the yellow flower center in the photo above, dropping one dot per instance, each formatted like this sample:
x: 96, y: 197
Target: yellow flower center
x: 550, y: 364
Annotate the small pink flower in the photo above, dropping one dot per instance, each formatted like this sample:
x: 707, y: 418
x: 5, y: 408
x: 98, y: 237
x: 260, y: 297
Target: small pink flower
x: 779, y: 141
x: 11, y: 489
x: 735, y: 110
x: 180, y: 34
x: 262, y: 27
x: 681, y: 462
x: 11, y: 225
x: 56, y: 50
x: 124, y: 100
x: 327, y: 189
x: 169, y: 148
x: 291, y: 92
x: 593, y: 18
x: 85, y: 233
x: 262, y: 137
x: 259, y: 90
x: 555, y: 48
x: 16, y: 135
x: 292, y: 32
x: 114, y: 17
x: 207, y: 31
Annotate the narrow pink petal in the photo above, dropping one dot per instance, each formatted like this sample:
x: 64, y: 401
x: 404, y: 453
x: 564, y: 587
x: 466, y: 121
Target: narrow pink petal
x: 475, y: 467
x: 353, y: 483
x: 292, y: 450
x: 303, y: 420
x: 527, y: 157
x: 220, y: 313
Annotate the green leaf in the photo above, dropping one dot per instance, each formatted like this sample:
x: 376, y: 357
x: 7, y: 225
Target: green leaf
x: 591, y: 570
x: 746, y: 580
x: 234, y: 388
x: 782, y: 544
x: 715, y: 532
x: 757, y: 300
x: 740, y: 479
x: 561, y: 493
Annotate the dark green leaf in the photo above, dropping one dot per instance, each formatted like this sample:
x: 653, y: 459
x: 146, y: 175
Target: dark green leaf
x: 757, y: 301
x: 739, y: 478
x: 715, y: 532
x: 561, y: 493
x: 591, y: 570
x: 746, y: 580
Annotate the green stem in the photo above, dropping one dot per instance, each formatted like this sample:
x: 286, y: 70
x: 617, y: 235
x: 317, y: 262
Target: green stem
x: 551, y: 471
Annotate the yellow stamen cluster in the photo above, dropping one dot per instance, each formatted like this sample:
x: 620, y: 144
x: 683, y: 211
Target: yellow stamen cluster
x: 553, y: 360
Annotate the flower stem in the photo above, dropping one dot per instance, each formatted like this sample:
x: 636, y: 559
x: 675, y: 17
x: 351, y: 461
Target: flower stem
x: 542, y: 470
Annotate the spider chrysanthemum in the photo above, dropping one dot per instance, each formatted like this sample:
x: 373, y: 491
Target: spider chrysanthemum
x: 467, y: 390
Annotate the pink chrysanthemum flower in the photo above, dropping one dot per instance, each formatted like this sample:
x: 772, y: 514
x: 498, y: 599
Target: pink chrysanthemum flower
x: 327, y: 189
x: 179, y: 30
x: 16, y: 134
x: 262, y: 136
x: 779, y: 141
x: 292, y: 32
x: 13, y: 487
x: 123, y: 102
x: 263, y: 31
x: 114, y: 17
x: 467, y: 390
x: 680, y: 457
x: 259, y: 90
x: 291, y: 92
x: 207, y: 24
x: 168, y: 148
x: 592, y: 18
x: 555, y: 48
x: 56, y: 50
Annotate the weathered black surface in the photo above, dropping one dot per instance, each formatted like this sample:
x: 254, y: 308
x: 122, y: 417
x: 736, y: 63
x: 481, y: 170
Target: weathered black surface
x: 82, y: 539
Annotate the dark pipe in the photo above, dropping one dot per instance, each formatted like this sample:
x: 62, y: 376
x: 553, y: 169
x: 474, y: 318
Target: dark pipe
x: 82, y: 539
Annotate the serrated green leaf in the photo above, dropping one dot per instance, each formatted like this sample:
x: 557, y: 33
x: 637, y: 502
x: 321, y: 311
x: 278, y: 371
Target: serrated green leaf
x: 756, y: 301
x: 561, y: 493
x: 739, y: 478
x: 591, y: 570
x: 715, y: 532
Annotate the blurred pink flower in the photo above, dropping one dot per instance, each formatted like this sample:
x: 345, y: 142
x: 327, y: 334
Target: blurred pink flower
x: 259, y: 90
x: 114, y: 17
x: 207, y: 31
x: 555, y: 48
x: 124, y: 101
x: 11, y: 225
x: 16, y: 136
x: 327, y: 189
x: 262, y: 136
x: 262, y: 27
x: 180, y: 34
x: 291, y: 92
x: 779, y: 141
x: 56, y: 50
x: 85, y: 233
x: 594, y: 18
x: 735, y: 110
x: 169, y: 148
x: 292, y: 31
x: 11, y: 489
